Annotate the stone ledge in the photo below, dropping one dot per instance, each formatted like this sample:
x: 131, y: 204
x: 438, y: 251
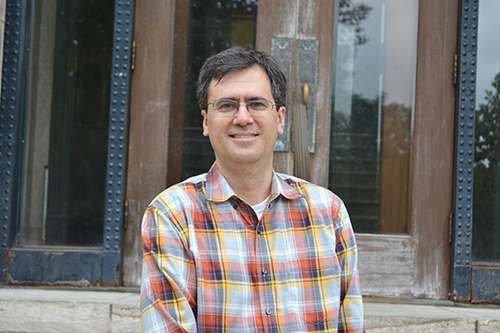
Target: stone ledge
x: 400, y: 325
x: 99, y: 310
x: 42, y: 310
x: 408, y: 316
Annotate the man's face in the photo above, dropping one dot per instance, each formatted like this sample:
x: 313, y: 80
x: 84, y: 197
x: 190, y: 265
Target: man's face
x: 243, y: 139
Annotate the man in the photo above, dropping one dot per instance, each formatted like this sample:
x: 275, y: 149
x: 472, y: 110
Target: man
x: 242, y: 248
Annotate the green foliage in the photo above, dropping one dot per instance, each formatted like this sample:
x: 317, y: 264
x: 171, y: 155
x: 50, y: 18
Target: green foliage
x: 353, y: 14
x: 487, y: 177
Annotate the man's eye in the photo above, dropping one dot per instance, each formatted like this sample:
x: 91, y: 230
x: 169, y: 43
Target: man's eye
x: 227, y: 106
x: 257, y: 105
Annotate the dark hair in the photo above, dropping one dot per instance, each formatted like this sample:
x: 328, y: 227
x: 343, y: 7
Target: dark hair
x: 238, y: 58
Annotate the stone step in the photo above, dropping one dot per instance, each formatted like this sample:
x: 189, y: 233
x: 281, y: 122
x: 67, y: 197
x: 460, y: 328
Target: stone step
x: 75, y: 311
x: 118, y: 310
x: 409, y: 315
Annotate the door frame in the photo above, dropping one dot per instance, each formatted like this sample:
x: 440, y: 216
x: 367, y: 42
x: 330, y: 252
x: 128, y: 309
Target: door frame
x: 417, y: 264
x: 470, y: 281
x: 77, y: 266
x: 420, y: 261
x: 412, y: 265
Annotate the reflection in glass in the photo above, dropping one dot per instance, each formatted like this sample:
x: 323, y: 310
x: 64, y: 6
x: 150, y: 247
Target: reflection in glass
x: 211, y: 27
x: 486, y: 208
x: 372, y: 101
x: 67, y: 123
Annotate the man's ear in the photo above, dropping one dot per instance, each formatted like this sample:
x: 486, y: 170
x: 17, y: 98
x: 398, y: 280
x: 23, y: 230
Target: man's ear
x: 205, y: 122
x: 281, y: 119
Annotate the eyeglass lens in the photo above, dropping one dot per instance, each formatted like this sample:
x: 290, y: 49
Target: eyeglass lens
x: 229, y: 105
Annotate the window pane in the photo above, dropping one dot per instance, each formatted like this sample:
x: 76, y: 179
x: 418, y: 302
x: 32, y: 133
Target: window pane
x: 211, y: 27
x: 67, y: 123
x: 374, y: 75
x: 486, y: 208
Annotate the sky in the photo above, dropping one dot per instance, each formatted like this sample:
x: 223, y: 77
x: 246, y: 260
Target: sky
x: 488, y: 52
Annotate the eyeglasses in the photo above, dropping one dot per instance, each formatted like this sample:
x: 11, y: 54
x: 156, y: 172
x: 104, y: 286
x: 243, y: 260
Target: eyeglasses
x: 230, y: 106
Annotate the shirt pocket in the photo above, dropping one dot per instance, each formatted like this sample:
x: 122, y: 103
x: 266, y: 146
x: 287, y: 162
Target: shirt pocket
x: 310, y: 290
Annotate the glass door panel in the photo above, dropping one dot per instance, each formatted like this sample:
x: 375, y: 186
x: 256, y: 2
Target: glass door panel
x: 486, y: 207
x: 209, y: 28
x: 372, y: 102
x: 67, y: 123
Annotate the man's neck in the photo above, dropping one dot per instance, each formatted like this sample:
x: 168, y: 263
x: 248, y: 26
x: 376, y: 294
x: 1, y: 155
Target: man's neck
x: 251, y: 184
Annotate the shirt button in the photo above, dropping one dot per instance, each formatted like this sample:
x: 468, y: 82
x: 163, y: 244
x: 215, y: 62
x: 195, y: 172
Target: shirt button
x: 264, y: 271
x: 235, y: 206
x: 268, y: 312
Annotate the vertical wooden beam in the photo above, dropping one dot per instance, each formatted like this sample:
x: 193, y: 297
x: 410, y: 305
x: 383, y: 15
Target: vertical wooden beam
x: 432, y: 149
x: 149, y: 122
x: 315, y: 21
x: 304, y: 20
x: 277, y: 19
x: 178, y: 95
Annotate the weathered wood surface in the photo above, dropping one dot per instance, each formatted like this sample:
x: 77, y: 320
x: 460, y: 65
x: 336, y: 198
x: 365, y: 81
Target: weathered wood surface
x: 414, y: 265
x: 149, y: 122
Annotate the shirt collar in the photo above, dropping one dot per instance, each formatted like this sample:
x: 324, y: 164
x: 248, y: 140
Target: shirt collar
x: 218, y: 189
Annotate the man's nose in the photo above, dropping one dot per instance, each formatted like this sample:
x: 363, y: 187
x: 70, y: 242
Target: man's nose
x: 243, y: 115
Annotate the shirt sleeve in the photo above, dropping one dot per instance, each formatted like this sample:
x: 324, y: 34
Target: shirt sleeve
x: 168, y: 288
x: 351, y: 301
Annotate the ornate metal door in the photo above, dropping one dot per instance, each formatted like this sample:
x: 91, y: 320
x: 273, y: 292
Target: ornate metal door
x: 63, y: 140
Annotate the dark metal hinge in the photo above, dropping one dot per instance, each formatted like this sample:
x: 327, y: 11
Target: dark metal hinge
x: 450, y: 228
x: 125, y: 214
x: 455, y: 69
x: 132, y: 56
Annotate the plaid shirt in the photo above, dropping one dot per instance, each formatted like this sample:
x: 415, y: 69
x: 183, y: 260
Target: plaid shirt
x: 210, y: 265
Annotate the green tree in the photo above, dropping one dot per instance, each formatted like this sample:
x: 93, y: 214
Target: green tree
x: 487, y: 177
x: 353, y: 14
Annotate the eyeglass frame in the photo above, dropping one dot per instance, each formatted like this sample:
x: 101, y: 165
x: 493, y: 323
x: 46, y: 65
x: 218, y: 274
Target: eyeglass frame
x: 240, y: 104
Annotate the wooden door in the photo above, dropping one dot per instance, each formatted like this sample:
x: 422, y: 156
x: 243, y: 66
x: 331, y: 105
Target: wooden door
x: 409, y: 256
x: 412, y: 261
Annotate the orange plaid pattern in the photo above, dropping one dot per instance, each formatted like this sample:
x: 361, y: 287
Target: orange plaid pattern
x: 210, y: 265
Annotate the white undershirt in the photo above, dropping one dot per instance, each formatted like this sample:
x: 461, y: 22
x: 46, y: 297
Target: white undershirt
x: 260, y: 208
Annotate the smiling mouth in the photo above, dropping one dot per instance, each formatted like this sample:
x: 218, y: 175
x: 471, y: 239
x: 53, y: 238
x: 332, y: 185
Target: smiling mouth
x: 243, y: 136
